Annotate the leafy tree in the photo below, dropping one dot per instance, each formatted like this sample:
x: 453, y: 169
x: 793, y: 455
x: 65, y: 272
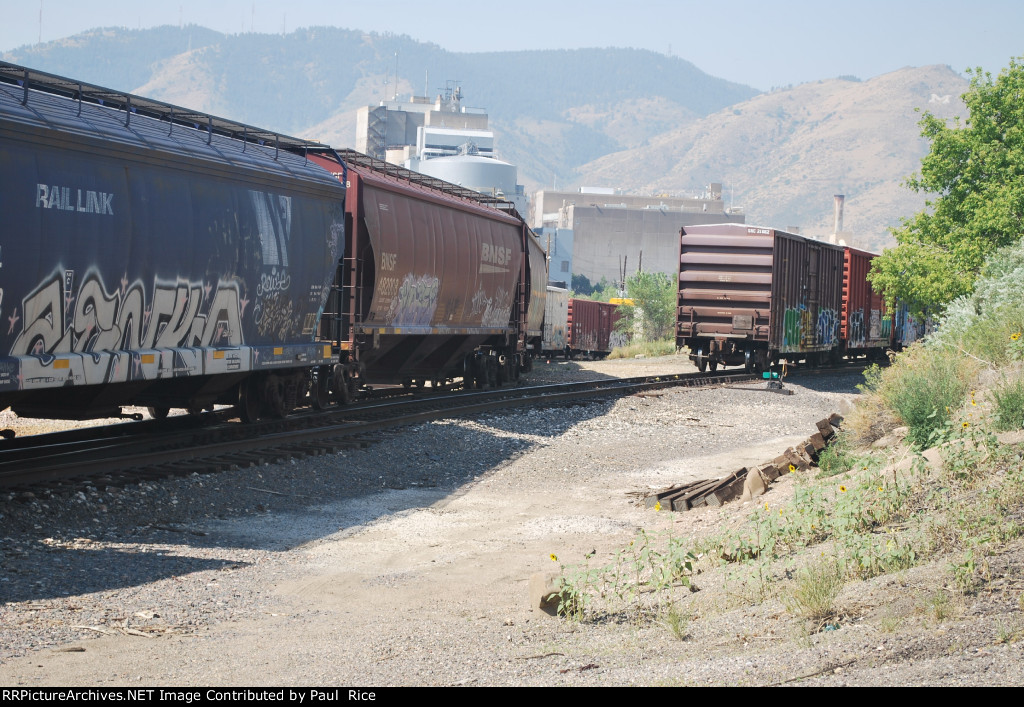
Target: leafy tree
x: 654, y: 302
x: 581, y: 286
x: 977, y: 171
x: 602, y: 291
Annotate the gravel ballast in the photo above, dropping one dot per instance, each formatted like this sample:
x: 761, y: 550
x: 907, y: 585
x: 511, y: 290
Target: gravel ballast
x: 407, y: 562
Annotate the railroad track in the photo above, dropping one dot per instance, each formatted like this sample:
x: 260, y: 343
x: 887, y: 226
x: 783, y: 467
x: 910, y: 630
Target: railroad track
x: 129, y: 452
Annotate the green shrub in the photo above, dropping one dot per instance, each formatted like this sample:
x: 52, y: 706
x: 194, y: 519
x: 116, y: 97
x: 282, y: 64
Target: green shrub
x: 836, y: 458
x: 649, y: 349
x: 923, y: 387
x: 1009, y: 400
x: 983, y: 323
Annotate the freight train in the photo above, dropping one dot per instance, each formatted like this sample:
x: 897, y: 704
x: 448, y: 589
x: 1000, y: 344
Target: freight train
x: 156, y: 256
x: 576, y: 327
x: 751, y: 296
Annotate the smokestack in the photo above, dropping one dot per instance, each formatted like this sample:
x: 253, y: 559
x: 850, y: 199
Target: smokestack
x: 838, y: 226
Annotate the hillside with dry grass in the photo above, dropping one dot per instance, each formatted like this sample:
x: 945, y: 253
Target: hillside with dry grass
x: 631, y: 119
x: 783, y: 155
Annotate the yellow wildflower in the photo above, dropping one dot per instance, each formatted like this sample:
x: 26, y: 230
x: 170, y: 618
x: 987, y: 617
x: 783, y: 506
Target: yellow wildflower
x: 966, y: 425
x: 657, y: 506
x: 554, y: 557
x: 792, y: 469
x: 842, y: 489
x: 1015, y: 337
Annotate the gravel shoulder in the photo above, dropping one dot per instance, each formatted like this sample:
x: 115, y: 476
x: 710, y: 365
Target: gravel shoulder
x: 407, y: 563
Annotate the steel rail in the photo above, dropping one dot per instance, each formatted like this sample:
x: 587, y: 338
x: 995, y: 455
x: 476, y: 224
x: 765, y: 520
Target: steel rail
x: 227, y: 445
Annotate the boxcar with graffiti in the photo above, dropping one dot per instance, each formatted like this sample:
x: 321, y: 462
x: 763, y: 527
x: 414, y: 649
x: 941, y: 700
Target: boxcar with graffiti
x: 750, y: 296
x: 866, y: 327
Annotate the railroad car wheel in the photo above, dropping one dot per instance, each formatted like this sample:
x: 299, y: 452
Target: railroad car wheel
x: 320, y: 388
x: 340, y: 387
x: 248, y: 406
x: 702, y: 361
x: 275, y: 396
x: 159, y: 412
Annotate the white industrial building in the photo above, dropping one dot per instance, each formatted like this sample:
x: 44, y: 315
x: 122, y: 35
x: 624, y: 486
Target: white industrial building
x: 440, y: 138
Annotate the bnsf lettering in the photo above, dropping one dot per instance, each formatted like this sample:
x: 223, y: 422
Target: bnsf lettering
x: 57, y: 197
x: 495, y: 255
x: 388, y: 260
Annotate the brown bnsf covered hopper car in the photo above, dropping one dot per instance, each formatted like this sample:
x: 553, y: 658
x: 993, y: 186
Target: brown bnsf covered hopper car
x: 434, y: 285
x: 750, y: 296
x: 866, y: 324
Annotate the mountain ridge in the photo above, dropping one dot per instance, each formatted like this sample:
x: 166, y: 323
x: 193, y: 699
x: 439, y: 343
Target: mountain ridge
x: 627, y: 118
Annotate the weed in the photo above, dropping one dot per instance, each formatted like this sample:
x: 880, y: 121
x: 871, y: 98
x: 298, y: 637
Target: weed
x: 964, y: 573
x: 814, y: 592
x: 890, y: 623
x: 938, y: 606
x: 572, y: 598
x: 836, y: 458
x: 638, y: 580
x: 1004, y: 634
x: 676, y: 621
x: 1009, y: 402
x: 867, y: 555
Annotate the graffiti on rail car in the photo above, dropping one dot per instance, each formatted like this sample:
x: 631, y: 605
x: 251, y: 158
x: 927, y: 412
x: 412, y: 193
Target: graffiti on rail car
x: 828, y: 327
x: 494, y: 311
x: 416, y: 301
x: 881, y: 326
x: 800, y: 329
x: 796, y: 325
x: 58, y: 317
x: 856, y: 333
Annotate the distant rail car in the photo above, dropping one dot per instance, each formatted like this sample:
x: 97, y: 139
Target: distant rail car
x: 750, y: 296
x: 591, y: 328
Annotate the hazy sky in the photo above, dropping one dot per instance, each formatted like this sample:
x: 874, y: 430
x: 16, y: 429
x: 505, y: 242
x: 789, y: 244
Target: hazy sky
x: 760, y: 43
